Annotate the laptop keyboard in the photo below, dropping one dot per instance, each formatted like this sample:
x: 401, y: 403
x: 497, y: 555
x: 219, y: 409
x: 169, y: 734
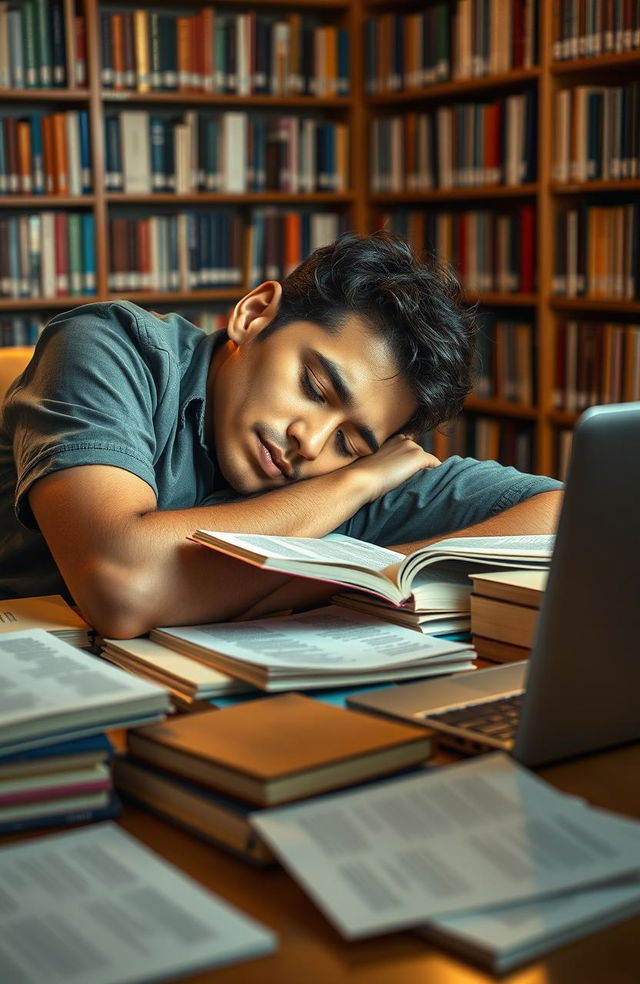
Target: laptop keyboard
x: 496, y: 718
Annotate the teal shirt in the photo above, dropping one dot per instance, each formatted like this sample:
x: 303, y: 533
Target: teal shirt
x: 112, y: 384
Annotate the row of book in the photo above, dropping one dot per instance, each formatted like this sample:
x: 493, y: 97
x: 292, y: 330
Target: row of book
x: 490, y: 250
x: 21, y: 329
x: 597, y: 251
x: 218, y: 51
x: 596, y: 363
x: 505, y: 368
x: 209, y: 249
x: 45, y: 154
x: 466, y: 145
x: 33, y: 46
x: 25, y: 329
x: 228, y: 152
x: 597, y: 133
x: 594, y: 27
x: 510, y: 442
x: 47, y: 254
x: 468, y: 39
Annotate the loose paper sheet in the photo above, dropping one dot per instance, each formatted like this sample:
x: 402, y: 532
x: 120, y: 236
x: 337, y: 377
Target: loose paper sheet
x: 473, y: 835
x: 95, y: 906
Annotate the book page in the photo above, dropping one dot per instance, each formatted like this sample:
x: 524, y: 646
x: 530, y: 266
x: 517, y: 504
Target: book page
x: 336, y: 548
x: 97, y: 906
x: 323, y: 639
x: 468, y: 836
x: 40, y: 675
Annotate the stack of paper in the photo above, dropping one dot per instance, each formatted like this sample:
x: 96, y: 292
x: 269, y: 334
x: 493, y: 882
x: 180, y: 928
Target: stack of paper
x: 450, y: 846
x: 98, y: 907
x: 52, y: 692
x: 190, y: 681
x: 322, y: 648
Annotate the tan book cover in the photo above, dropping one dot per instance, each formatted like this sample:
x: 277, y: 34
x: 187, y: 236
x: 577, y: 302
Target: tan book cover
x: 48, y: 612
x: 278, y: 749
x: 503, y: 620
x: 496, y: 651
x: 519, y: 587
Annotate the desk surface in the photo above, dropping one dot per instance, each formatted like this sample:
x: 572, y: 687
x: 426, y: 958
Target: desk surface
x: 311, y: 952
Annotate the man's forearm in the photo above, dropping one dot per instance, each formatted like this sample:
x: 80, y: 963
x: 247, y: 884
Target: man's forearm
x: 539, y: 514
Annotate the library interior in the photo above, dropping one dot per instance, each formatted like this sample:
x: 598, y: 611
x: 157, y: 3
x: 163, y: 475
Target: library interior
x: 365, y: 709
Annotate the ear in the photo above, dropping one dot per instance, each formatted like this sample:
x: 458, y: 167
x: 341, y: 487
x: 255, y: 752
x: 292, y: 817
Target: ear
x: 254, y: 312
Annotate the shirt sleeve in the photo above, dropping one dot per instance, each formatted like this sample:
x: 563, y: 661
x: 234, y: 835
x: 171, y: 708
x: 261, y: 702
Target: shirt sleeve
x: 87, y: 397
x: 437, y: 501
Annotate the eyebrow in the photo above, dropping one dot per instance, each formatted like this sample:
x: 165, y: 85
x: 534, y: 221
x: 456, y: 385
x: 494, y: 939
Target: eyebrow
x: 345, y: 396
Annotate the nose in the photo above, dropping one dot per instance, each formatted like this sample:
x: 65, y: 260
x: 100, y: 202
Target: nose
x: 308, y: 436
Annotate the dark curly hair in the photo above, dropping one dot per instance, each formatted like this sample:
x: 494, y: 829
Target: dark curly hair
x: 414, y: 303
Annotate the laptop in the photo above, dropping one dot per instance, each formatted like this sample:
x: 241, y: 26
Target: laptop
x: 580, y: 689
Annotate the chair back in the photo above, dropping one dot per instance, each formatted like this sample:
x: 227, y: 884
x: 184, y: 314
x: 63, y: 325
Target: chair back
x: 13, y: 360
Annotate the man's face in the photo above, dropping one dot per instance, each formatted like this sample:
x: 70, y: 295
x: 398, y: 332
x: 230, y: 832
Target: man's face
x: 303, y: 402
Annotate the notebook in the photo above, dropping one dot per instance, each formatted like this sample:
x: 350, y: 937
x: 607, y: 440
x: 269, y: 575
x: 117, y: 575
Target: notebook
x: 579, y: 691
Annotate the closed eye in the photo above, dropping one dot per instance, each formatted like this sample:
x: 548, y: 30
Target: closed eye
x: 343, y: 448
x: 309, y: 387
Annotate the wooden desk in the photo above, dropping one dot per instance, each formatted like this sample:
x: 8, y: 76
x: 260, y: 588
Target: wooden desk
x: 311, y: 952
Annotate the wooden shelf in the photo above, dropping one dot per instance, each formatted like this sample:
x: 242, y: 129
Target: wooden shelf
x: 563, y: 418
x: 625, y: 59
x: 224, y: 198
x: 44, y: 95
x: 454, y: 88
x: 500, y: 408
x: 180, y: 297
x: 35, y: 202
x: 198, y: 98
x: 586, y: 187
x: 501, y: 300
x: 454, y: 194
x: 604, y: 305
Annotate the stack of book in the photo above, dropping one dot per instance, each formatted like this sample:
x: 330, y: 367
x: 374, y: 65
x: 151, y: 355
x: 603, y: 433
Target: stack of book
x: 504, y: 612
x: 57, y: 704
x: 190, y: 682
x: 209, y: 771
x: 69, y: 782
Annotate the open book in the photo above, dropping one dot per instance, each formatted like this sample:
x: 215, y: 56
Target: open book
x: 434, y: 576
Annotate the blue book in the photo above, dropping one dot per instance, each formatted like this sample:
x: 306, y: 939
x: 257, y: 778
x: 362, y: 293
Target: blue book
x: 37, y: 159
x: 88, y: 236
x: 110, y: 811
x: 85, y: 152
x: 113, y: 166
x: 157, y: 137
x: 80, y: 746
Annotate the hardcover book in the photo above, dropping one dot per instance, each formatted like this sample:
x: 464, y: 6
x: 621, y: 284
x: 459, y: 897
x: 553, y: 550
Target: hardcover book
x: 279, y: 749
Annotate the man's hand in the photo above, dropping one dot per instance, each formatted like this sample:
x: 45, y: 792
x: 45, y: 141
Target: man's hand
x: 396, y: 461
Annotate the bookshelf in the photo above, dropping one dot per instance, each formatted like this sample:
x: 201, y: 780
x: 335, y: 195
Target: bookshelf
x: 582, y: 340
x: 306, y: 79
x: 588, y: 46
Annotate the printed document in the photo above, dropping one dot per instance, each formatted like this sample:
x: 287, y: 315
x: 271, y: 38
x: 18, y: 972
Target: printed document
x: 97, y: 906
x: 469, y: 836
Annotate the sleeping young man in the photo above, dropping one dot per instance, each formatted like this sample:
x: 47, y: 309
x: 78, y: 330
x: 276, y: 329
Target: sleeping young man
x: 128, y: 431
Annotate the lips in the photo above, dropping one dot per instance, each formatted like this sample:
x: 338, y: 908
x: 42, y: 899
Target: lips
x: 272, y: 461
